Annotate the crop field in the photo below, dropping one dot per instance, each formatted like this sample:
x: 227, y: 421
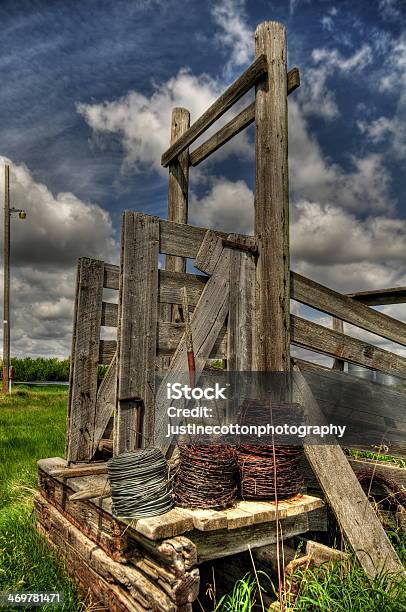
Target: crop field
x: 32, y: 426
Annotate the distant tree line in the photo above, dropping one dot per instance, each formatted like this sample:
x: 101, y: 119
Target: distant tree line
x: 45, y: 369
x: 49, y: 369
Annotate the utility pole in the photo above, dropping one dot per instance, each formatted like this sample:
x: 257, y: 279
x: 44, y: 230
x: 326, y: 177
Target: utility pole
x: 6, y: 277
x: 6, y: 280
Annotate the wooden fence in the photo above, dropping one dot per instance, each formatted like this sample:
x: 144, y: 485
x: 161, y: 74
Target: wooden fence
x: 241, y: 302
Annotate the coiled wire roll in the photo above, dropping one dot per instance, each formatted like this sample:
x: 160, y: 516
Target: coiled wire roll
x: 140, y: 484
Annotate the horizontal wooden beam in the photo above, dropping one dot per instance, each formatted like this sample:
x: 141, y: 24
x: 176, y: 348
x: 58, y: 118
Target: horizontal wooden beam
x: 380, y: 297
x: 169, y: 336
x: 343, y: 307
x: 240, y: 87
x: 236, y: 125
x: 310, y: 335
x: 111, y: 273
x: 109, y: 314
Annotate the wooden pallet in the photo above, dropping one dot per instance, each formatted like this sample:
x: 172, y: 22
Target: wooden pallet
x: 153, y: 564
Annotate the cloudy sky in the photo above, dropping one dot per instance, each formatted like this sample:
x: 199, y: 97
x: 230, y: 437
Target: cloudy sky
x: 86, y: 94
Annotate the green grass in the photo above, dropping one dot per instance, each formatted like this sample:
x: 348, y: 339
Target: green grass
x: 32, y: 426
x: 360, y: 454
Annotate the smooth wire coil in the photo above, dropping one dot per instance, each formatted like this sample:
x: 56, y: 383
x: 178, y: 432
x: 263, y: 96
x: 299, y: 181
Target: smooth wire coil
x: 140, y: 484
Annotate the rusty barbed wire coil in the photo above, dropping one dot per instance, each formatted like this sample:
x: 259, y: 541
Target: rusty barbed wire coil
x: 269, y: 470
x: 206, y: 476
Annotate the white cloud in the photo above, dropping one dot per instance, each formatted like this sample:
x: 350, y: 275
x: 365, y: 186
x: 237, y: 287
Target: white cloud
x: 228, y: 206
x: 236, y: 36
x: 58, y: 229
x: 331, y: 235
x: 365, y: 187
x: 143, y: 123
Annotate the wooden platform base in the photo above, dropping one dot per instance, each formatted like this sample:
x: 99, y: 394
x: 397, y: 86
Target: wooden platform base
x: 152, y: 564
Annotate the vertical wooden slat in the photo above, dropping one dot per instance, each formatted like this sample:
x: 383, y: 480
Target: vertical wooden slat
x: 137, y: 332
x: 240, y: 316
x: 272, y: 338
x: 178, y: 184
x: 338, y: 325
x: 85, y: 357
x: 178, y: 191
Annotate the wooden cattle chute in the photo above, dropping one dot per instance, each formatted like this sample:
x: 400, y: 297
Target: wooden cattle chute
x: 240, y: 312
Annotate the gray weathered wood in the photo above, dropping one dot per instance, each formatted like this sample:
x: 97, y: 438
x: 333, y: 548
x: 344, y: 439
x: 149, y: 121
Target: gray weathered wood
x: 209, y: 252
x: 218, y: 108
x: 105, y: 401
x: 338, y: 326
x: 208, y: 319
x: 111, y: 274
x: 178, y: 183
x: 85, y: 359
x: 236, y: 125
x: 137, y: 332
x: 272, y: 341
x: 373, y: 414
x: 170, y: 334
x: 168, y: 337
x: 343, y: 307
x: 73, y: 347
x: 241, y: 316
x: 344, y: 494
x: 178, y: 188
x: 107, y: 350
x: 109, y: 314
x: 310, y: 335
x: 377, y: 297
x: 179, y: 239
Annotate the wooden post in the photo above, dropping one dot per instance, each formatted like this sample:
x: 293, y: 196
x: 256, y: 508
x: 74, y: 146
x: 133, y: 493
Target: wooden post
x: 84, y: 360
x: 6, y: 280
x: 137, y: 331
x: 272, y: 337
x: 178, y: 184
x: 338, y: 325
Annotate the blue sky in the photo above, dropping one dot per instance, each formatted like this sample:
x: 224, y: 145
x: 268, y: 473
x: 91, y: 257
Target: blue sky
x: 87, y: 89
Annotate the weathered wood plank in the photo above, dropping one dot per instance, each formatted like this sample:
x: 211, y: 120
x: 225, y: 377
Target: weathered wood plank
x: 107, y: 350
x: 109, y: 314
x: 105, y: 402
x: 347, y: 309
x: 184, y: 240
x: 272, y: 306
x: 168, y: 337
x: 218, y: 108
x: 240, y: 326
x: 209, y: 252
x: 85, y: 358
x: 66, y: 536
x: 111, y: 274
x: 379, y: 297
x: 344, y: 494
x: 136, y: 348
x: 208, y: 319
x: 310, y: 335
x: 236, y: 125
x: 338, y: 326
x: 170, y: 334
x: 178, y: 185
x: 225, y: 542
x: 373, y: 414
x: 80, y: 470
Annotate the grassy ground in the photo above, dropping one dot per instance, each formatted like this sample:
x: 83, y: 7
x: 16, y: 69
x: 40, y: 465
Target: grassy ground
x: 32, y: 426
